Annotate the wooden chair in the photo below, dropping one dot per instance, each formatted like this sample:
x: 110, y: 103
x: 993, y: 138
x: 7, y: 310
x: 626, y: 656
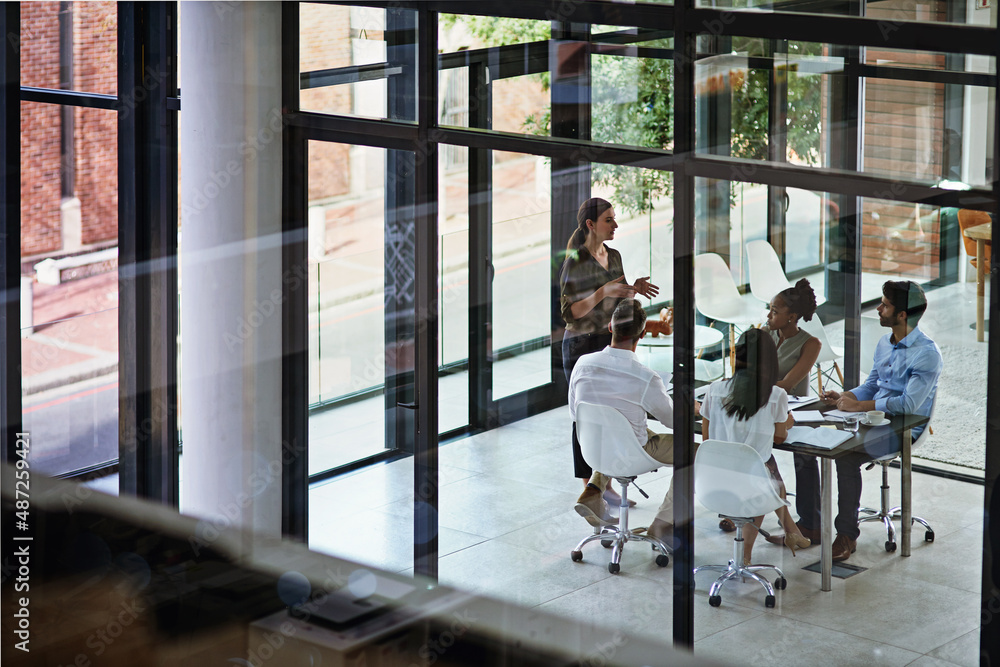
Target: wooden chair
x: 970, y: 218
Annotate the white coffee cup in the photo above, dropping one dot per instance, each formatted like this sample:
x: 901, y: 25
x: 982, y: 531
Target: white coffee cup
x: 874, y: 416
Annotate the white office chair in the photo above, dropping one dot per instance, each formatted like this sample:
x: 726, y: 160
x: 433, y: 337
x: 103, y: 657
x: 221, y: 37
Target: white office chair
x: 886, y: 514
x: 718, y: 298
x: 828, y: 352
x: 609, y: 445
x: 871, y: 332
x: 731, y: 479
x: 767, y: 278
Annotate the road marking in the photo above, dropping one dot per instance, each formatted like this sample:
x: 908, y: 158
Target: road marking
x: 71, y: 397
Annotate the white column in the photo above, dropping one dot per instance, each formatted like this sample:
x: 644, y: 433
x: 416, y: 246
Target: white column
x: 231, y: 263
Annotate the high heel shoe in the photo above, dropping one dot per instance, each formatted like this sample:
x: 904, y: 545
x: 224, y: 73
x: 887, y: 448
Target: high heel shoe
x: 794, y: 542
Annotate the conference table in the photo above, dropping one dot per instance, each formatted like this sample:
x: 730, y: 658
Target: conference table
x: 902, y: 425
x: 981, y: 234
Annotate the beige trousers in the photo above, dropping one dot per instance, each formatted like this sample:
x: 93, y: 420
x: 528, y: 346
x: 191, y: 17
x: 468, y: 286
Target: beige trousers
x: 661, y: 447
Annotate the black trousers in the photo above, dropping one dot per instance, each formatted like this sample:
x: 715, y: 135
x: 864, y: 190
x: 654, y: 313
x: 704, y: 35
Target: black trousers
x: 575, y: 346
x: 879, y: 441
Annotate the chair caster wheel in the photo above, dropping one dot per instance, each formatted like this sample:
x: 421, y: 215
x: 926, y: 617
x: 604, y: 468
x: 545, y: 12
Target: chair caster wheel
x: 614, y: 568
x: 780, y: 583
x: 890, y: 546
x: 929, y: 536
x: 663, y: 560
x: 607, y: 544
x: 577, y: 556
x: 769, y: 602
x: 714, y: 600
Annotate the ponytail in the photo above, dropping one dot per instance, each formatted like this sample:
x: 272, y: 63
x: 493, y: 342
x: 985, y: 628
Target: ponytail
x: 589, y: 210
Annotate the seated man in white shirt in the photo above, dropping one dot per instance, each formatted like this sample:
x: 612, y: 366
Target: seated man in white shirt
x: 615, y: 377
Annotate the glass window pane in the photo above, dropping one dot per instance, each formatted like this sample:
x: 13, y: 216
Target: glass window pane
x: 453, y: 288
x: 521, y: 331
x: 347, y: 349
x: 70, y: 46
x: 69, y: 227
x: 347, y: 66
x: 887, y: 11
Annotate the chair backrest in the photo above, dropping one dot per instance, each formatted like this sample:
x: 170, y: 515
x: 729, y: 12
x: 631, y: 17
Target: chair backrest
x: 871, y: 332
x: 730, y: 478
x: 970, y: 218
x: 608, y: 443
x: 827, y: 352
x: 713, y: 283
x: 767, y: 278
x: 920, y: 438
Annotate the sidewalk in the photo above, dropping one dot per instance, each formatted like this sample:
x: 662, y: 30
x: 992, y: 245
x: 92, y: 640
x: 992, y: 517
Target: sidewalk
x: 75, y: 334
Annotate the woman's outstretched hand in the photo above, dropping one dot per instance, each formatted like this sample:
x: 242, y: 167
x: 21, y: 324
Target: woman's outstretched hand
x: 618, y: 289
x: 645, y: 288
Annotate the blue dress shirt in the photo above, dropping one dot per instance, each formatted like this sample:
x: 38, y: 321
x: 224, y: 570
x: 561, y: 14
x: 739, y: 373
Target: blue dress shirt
x: 905, y: 376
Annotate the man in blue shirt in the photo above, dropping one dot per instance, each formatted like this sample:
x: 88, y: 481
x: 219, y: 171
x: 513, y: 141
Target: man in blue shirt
x: 903, y: 381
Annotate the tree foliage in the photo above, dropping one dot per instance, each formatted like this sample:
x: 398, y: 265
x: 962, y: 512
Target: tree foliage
x: 632, y: 105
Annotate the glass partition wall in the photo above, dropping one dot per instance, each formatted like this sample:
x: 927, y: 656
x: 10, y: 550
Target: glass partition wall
x: 438, y: 158
x: 850, y: 161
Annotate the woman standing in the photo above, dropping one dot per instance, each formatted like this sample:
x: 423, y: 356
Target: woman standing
x: 591, y: 283
x: 751, y: 408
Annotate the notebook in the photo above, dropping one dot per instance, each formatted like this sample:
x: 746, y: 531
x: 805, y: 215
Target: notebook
x: 821, y: 438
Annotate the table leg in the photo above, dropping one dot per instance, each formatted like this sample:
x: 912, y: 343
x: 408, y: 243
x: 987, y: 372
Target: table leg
x: 826, y: 523
x: 980, y: 288
x: 907, y: 494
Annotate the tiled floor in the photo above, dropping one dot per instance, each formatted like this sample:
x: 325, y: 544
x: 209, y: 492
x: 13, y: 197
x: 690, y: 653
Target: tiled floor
x: 507, y: 527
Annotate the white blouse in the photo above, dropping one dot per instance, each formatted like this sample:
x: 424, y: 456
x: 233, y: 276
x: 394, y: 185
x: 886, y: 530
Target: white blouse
x: 758, y: 431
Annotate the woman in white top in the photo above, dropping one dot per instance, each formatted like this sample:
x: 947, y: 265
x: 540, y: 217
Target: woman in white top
x: 750, y: 408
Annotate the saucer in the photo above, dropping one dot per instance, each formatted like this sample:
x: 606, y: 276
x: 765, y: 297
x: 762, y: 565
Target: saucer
x: 878, y: 423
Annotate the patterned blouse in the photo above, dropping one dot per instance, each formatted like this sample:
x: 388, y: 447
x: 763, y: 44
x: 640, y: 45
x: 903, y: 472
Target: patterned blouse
x: 581, y: 276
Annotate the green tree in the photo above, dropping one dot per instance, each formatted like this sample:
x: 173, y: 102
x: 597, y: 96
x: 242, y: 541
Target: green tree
x: 632, y: 105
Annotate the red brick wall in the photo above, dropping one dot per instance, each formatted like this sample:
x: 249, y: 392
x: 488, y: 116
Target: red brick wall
x: 40, y: 128
x: 325, y: 42
x: 96, y: 131
x: 95, y: 30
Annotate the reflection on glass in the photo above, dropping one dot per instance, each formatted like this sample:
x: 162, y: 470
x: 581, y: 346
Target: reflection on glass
x: 521, y: 251
x: 69, y: 371
x: 69, y: 232
x: 453, y: 323
x: 70, y: 46
x: 346, y: 64
x: 347, y: 349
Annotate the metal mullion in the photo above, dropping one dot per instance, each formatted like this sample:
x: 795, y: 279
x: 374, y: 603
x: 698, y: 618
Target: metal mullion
x: 836, y: 181
x: 10, y: 232
x: 844, y: 30
x: 392, y: 135
x: 777, y: 146
x: 989, y: 642
x: 480, y: 254
x: 604, y: 12
x: 427, y: 304
x: 147, y: 251
x: 948, y: 77
x: 69, y: 98
x: 294, y: 294
x: 336, y: 76
x: 685, y: 47
x: 573, y: 150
